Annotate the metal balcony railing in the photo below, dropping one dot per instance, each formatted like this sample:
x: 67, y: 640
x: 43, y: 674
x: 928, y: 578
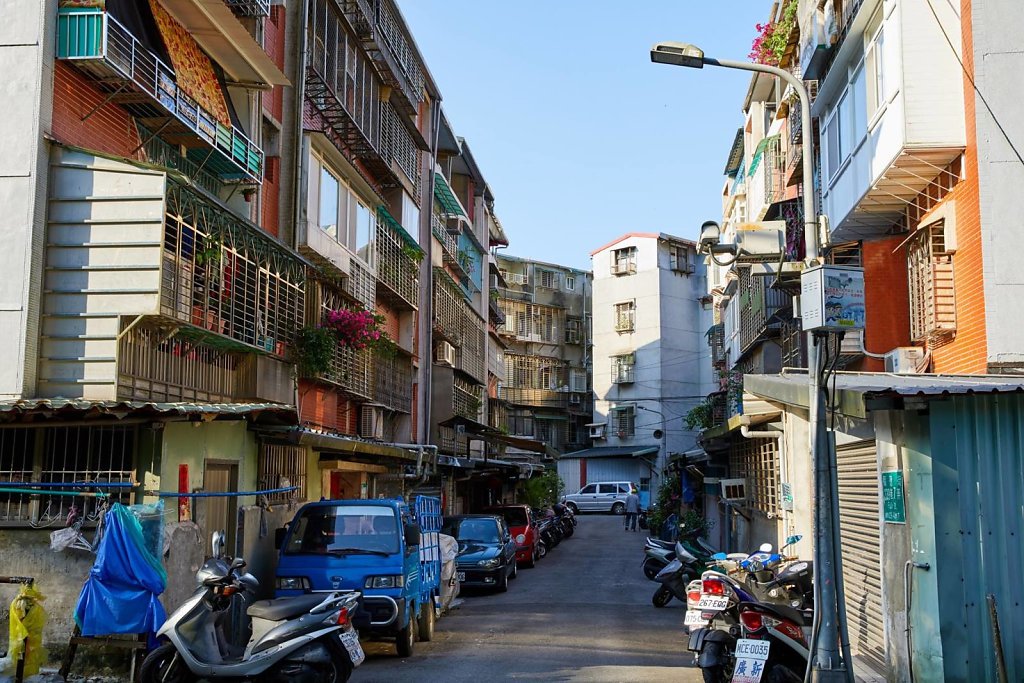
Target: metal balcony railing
x: 774, y: 162
x: 393, y: 379
x: 396, y: 268
x: 759, y: 306
x: 541, y: 398
x: 101, y: 47
x: 250, y: 8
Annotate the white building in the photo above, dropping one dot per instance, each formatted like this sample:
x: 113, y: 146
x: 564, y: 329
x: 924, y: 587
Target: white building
x: 650, y: 355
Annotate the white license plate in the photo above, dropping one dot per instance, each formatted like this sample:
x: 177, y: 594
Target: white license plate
x: 694, y: 618
x: 752, y: 649
x: 461, y: 576
x: 712, y: 602
x: 350, y: 639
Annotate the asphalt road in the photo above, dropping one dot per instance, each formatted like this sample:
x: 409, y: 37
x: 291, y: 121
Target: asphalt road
x: 583, y: 614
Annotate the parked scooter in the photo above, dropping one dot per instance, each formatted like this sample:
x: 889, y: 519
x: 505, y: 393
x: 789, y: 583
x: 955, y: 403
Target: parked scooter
x: 777, y: 634
x: 657, y: 555
x: 675, y: 577
x: 307, y: 638
x: 713, y: 619
x: 564, y: 520
x: 775, y: 578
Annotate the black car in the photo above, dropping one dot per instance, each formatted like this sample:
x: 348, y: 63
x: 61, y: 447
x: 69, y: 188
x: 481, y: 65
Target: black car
x: 487, y: 553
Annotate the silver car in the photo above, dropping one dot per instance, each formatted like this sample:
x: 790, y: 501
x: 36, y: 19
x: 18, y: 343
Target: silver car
x: 603, y: 496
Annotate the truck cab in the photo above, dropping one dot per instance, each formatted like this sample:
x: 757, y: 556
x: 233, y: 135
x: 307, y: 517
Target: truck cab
x: 383, y: 549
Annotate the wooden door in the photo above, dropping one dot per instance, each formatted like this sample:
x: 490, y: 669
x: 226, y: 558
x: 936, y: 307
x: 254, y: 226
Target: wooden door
x: 221, y: 512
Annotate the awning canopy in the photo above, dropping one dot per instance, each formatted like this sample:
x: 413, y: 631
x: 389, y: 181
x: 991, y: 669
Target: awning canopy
x: 492, y: 435
x: 393, y: 223
x: 42, y: 409
x: 446, y: 198
x: 337, y: 443
x: 226, y: 40
x: 861, y: 392
x: 612, y: 452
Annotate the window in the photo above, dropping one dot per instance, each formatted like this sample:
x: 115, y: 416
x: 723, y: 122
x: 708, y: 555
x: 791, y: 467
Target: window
x: 873, y: 58
x: 623, y: 488
x: 520, y: 423
x: 755, y: 463
x: 572, y: 332
x: 608, y: 488
x: 623, y: 422
x: 570, y: 282
x: 624, y: 261
x: 589, y: 488
x: 341, y: 213
x: 681, y: 259
x: 328, y: 216
x: 544, y: 431
x: 623, y: 368
x: 548, y: 279
x: 578, y: 380
x: 281, y: 467
x: 930, y: 278
x: 625, y: 316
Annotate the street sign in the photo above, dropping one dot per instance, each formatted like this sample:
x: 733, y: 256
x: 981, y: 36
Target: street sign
x: 893, y: 505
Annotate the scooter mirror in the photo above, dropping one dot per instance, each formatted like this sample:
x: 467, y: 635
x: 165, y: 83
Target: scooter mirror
x: 237, y: 563
x: 765, y: 548
x: 793, y: 539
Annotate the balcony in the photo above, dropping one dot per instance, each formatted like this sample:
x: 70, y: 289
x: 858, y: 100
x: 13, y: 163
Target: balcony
x: 624, y: 268
x: 539, y: 398
x: 471, y: 356
x: 759, y: 308
x: 766, y: 178
x: 398, y: 257
x: 102, y: 48
x: 891, y: 143
x: 379, y: 28
x: 138, y: 246
x: 450, y: 308
x: 393, y: 379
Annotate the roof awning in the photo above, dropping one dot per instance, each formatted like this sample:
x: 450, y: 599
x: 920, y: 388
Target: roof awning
x: 612, y: 452
x: 861, y: 392
x: 759, y: 152
x: 41, y: 409
x: 450, y: 204
x: 393, y: 223
x: 492, y: 435
x: 336, y: 443
x: 226, y: 40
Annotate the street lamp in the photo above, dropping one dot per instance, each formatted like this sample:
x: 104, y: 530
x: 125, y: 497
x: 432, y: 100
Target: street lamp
x: 829, y: 660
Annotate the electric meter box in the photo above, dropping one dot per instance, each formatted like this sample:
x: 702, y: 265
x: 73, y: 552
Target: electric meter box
x: 832, y: 299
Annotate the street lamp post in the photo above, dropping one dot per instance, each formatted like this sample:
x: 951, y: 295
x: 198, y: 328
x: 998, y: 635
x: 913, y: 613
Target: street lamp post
x: 829, y: 659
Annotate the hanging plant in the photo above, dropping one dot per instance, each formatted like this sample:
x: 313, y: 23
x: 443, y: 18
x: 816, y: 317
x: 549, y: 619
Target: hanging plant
x: 413, y: 254
x: 212, y: 247
x: 769, y: 44
x: 360, y: 329
x: 313, y: 350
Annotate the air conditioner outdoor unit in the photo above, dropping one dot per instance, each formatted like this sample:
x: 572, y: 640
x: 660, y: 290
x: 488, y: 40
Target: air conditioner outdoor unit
x: 574, y: 400
x: 444, y: 354
x: 904, y: 360
x: 597, y: 431
x: 371, y: 422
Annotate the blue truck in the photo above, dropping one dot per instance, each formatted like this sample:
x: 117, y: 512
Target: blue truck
x: 384, y: 549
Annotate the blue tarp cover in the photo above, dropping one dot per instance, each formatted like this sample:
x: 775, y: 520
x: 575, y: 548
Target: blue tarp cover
x: 120, y: 595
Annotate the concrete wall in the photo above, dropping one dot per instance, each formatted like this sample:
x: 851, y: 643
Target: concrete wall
x: 998, y: 63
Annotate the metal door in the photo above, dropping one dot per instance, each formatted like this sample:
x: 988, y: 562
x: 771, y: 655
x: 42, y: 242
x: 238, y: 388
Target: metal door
x: 221, y: 511
x: 859, y: 519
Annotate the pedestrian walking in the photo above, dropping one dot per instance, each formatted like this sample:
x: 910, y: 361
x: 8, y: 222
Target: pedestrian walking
x: 632, y: 510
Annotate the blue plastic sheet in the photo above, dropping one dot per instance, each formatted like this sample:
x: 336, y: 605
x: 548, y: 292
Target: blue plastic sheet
x: 120, y: 595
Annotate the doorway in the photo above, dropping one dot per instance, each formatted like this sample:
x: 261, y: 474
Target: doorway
x: 221, y: 511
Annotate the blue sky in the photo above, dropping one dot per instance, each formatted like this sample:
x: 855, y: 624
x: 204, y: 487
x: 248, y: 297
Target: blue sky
x: 579, y: 135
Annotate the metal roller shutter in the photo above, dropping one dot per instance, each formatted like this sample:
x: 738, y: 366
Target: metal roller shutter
x: 859, y: 491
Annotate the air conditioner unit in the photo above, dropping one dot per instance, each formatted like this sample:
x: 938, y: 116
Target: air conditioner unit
x: 597, y: 431
x: 904, y: 360
x: 444, y: 354
x: 575, y: 400
x: 734, y: 489
x: 371, y: 422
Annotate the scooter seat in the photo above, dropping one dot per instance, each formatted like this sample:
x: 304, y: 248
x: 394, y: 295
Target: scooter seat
x: 658, y: 543
x: 284, y: 608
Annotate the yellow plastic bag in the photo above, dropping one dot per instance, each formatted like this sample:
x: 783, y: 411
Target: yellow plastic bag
x: 27, y: 621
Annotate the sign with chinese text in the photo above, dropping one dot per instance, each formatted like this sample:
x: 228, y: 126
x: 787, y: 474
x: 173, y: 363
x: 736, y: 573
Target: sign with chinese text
x: 893, y: 505
x: 832, y: 298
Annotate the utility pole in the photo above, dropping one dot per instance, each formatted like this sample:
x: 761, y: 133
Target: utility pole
x: 830, y: 660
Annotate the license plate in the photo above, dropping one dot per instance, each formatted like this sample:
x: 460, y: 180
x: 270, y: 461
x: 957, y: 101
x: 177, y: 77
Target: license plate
x: 694, y: 618
x: 750, y: 658
x: 350, y: 639
x: 712, y: 602
x: 461, y: 576
x: 752, y: 649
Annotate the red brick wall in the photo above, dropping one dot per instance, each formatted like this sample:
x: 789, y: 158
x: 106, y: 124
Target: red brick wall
x: 271, y: 207
x: 110, y: 129
x: 968, y: 351
x: 391, y: 323
x: 274, y: 38
x: 887, y: 300
x: 318, y: 404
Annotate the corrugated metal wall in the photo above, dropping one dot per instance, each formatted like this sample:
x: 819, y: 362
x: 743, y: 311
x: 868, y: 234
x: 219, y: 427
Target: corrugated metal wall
x: 569, y: 471
x: 601, y: 469
x: 979, y: 530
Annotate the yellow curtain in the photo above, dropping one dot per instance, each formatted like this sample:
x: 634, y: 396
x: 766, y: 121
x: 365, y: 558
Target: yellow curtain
x: 192, y: 68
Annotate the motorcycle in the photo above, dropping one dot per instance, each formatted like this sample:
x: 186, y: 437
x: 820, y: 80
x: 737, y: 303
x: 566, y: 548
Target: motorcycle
x: 563, y: 520
x: 774, y: 637
x: 675, y: 577
x: 713, y: 619
x: 657, y: 555
x: 308, y: 639
x: 770, y: 580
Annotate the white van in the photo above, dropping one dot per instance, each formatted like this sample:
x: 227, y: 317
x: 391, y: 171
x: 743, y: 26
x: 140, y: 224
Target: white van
x: 602, y: 496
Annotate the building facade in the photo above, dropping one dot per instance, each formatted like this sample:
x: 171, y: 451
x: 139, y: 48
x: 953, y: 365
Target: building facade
x: 547, y: 387
x: 650, y: 356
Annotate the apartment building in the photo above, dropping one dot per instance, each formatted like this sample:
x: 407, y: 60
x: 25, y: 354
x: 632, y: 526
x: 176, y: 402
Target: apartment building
x: 650, y: 358
x: 547, y: 314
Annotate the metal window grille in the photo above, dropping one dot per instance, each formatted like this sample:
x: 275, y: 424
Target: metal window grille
x: 623, y: 368
x: 624, y: 261
x: 466, y: 399
x: 759, y: 306
x: 221, y: 276
x: 932, y: 293
x: 624, y: 421
x: 448, y: 307
x: 281, y: 467
x: 849, y: 254
x: 98, y: 454
x: 350, y: 369
x: 393, y: 382
x: 398, y: 145
x: 152, y: 367
x: 449, y: 241
x: 774, y: 171
x: 756, y: 460
x: 625, y: 316
x: 572, y: 331
x: 471, y: 355
x: 395, y: 268
x: 548, y: 279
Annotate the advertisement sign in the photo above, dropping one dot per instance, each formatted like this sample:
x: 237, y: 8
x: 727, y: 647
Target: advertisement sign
x: 832, y: 298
